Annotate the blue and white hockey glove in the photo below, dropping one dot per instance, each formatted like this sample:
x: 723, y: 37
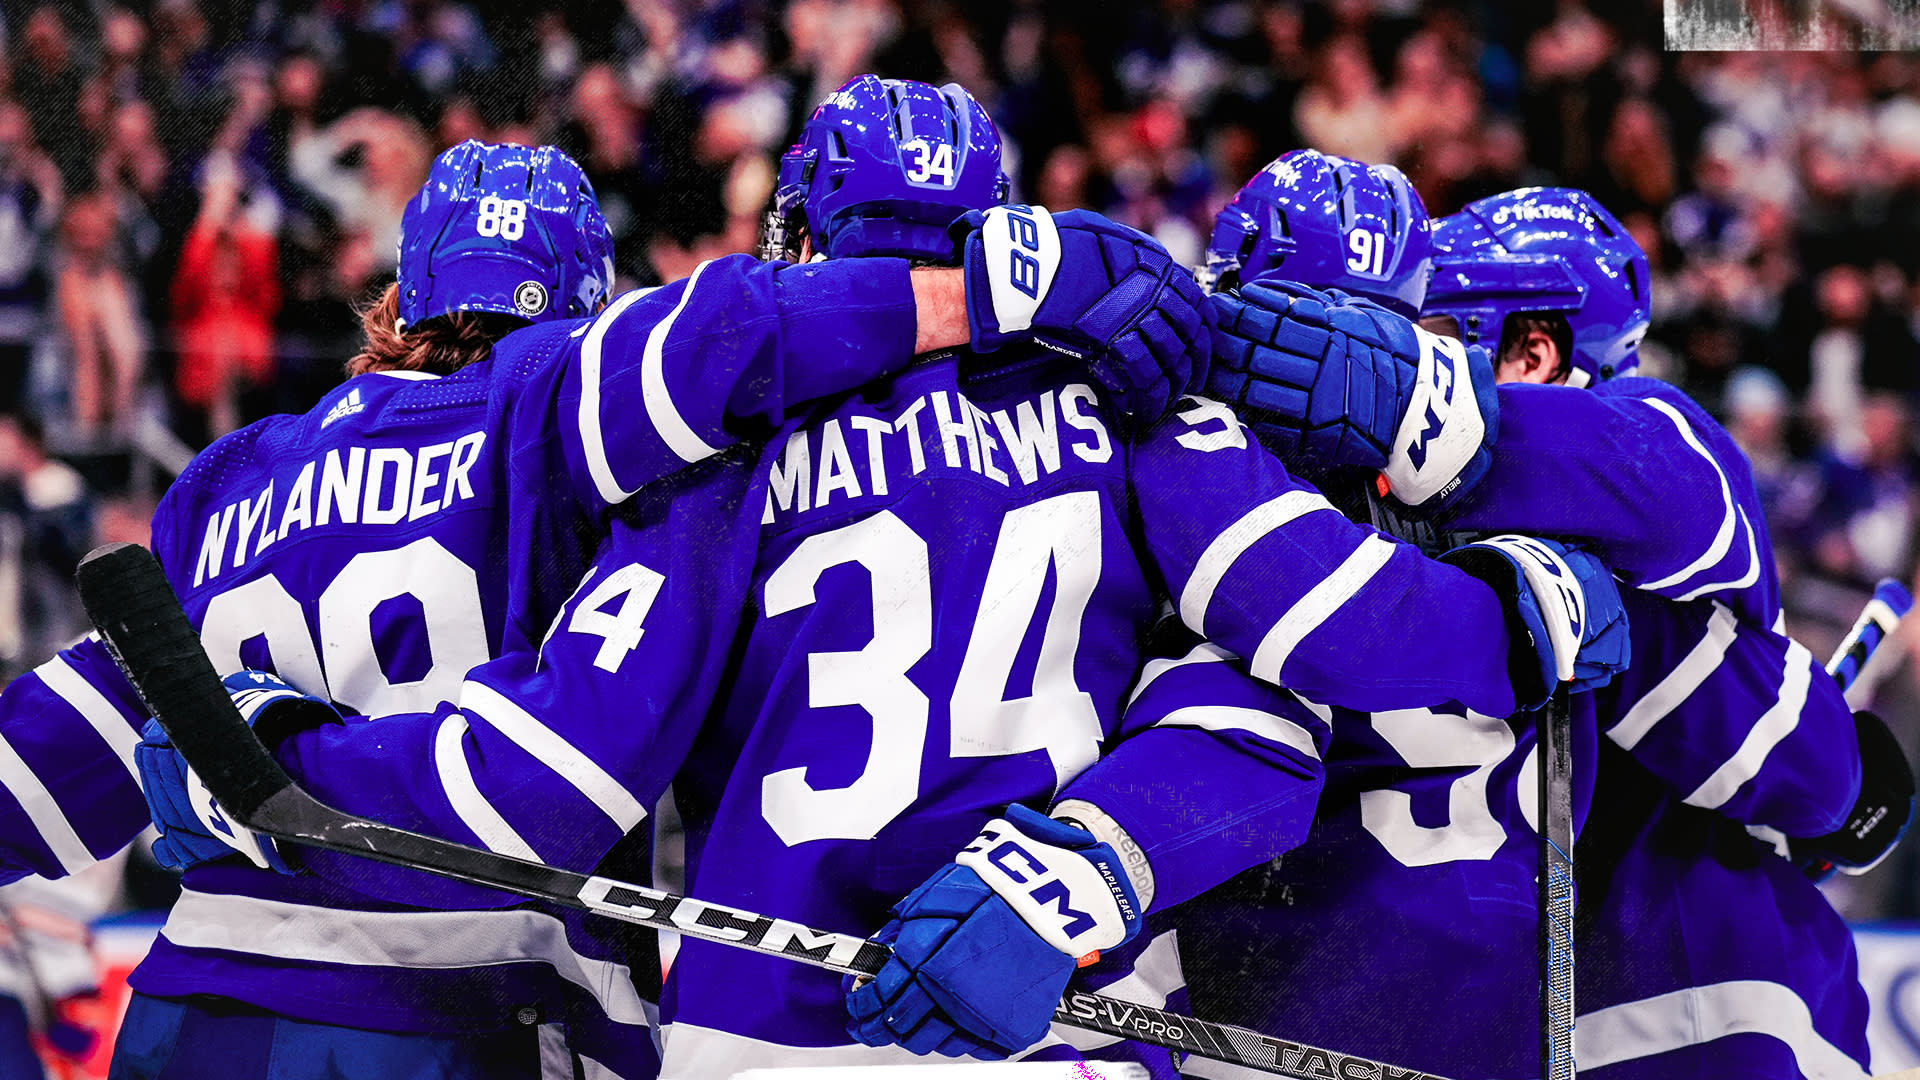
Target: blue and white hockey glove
x: 983, y: 949
x: 1328, y: 380
x: 192, y: 827
x: 1880, y: 817
x: 1575, y: 628
x: 1091, y: 288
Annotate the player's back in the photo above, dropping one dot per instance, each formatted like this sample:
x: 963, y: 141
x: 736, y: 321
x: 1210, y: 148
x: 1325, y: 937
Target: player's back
x: 1416, y: 884
x: 1681, y: 905
x: 946, y: 615
x: 364, y: 552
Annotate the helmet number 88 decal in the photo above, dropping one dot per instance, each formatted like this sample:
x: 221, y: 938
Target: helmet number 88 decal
x: 506, y: 218
x: 1369, y: 252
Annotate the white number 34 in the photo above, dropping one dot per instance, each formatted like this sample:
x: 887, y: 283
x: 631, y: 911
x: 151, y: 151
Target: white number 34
x: 929, y: 161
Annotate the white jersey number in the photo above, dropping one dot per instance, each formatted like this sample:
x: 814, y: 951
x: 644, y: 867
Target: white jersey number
x: 1062, y: 533
x: 446, y: 589
x: 1430, y: 740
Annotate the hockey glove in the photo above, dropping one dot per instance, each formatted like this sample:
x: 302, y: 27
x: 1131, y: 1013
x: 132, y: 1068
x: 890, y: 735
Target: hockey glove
x: 1879, y: 819
x: 1327, y: 380
x: 192, y: 827
x: 1091, y: 288
x: 983, y: 949
x: 1574, y: 628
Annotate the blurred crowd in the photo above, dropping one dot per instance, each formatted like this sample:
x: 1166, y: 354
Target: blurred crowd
x: 195, y: 193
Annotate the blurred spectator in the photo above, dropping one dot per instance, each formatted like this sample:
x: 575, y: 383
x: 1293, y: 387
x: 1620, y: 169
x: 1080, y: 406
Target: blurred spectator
x: 226, y: 293
x: 46, y: 525
x: 99, y: 315
x: 47, y: 78
x: 1342, y: 111
x: 1865, y: 520
x: 364, y: 167
x: 29, y: 205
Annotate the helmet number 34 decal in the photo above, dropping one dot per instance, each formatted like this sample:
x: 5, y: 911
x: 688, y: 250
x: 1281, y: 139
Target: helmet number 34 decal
x: 929, y: 162
x: 505, y: 218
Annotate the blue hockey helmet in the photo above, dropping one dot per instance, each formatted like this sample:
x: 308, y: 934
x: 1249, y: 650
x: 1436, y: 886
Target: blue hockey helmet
x: 882, y: 167
x: 1328, y: 223
x: 513, y: 230
x: 1544, y: 250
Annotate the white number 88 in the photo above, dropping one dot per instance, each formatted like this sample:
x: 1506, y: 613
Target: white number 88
x: 502, y: 217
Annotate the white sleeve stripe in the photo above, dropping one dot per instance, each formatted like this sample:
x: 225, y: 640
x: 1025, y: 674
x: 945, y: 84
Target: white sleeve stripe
x: 554, y: 752
x: 1724, y: 536
x: 43, y: 811
x: 94, y: 706
x: 1679, y: 684
x: 1702, y: 1014
x: 1318, y: 605
x: 1204, y: 653
x: 1777, y: 724
x: 673, y: 428
x: 1252, y: 721
x: 1233, y: 542
x: 1753, y: 568
x: 456, y: 779
x: 592, y: 442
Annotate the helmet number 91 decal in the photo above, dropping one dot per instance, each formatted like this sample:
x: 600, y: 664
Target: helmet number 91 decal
x: 1368, y: 252
x: 505, y: 218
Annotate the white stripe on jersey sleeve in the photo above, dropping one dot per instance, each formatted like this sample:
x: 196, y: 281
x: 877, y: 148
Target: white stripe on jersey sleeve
x: 1252, y: 721
x: 1721, y: 539
x: 1701, y: 1014
x: 592, y: 442
x: 1204, y: 653
x: 94, y: 706
x: 554, y: 752
x: 1233, y: 542
x: 673, y: 428
x: 456, y: 779
x: 43, y: 811
x: 1753, y: 568
x: 1777, y: 724
x: 1695, y: 668
x: 1318, y: 605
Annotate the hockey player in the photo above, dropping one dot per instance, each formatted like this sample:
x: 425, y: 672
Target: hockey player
x: 1677, y: 904
x: 926, y: 564
x: 1558, y: 275
x: 366, y: 553
x: 786, y: 835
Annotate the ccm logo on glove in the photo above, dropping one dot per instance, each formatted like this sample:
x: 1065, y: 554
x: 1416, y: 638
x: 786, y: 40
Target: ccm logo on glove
x: 1042, y: 893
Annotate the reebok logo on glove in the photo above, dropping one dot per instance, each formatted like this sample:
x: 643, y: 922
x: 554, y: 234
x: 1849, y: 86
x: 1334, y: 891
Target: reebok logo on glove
x: 1022, y: 254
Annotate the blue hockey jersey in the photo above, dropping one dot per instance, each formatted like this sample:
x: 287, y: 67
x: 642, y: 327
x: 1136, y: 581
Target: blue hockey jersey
x: 949, y: 603
x: 378, y: 547
x: 1642, y: 476
x: 1417, y: 882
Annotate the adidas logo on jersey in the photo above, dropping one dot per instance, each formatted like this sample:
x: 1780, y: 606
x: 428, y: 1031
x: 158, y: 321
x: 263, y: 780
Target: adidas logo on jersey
x: 344, y: 408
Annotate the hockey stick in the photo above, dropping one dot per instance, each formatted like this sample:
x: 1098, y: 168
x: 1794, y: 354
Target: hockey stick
x: 1556, y: 888
x: 129, y: 600
x: 1890, y: 603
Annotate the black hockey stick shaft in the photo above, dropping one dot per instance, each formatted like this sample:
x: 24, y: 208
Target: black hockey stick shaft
x: 1889, y: 604
x: 129, y: 600
x: 1556, y: 888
